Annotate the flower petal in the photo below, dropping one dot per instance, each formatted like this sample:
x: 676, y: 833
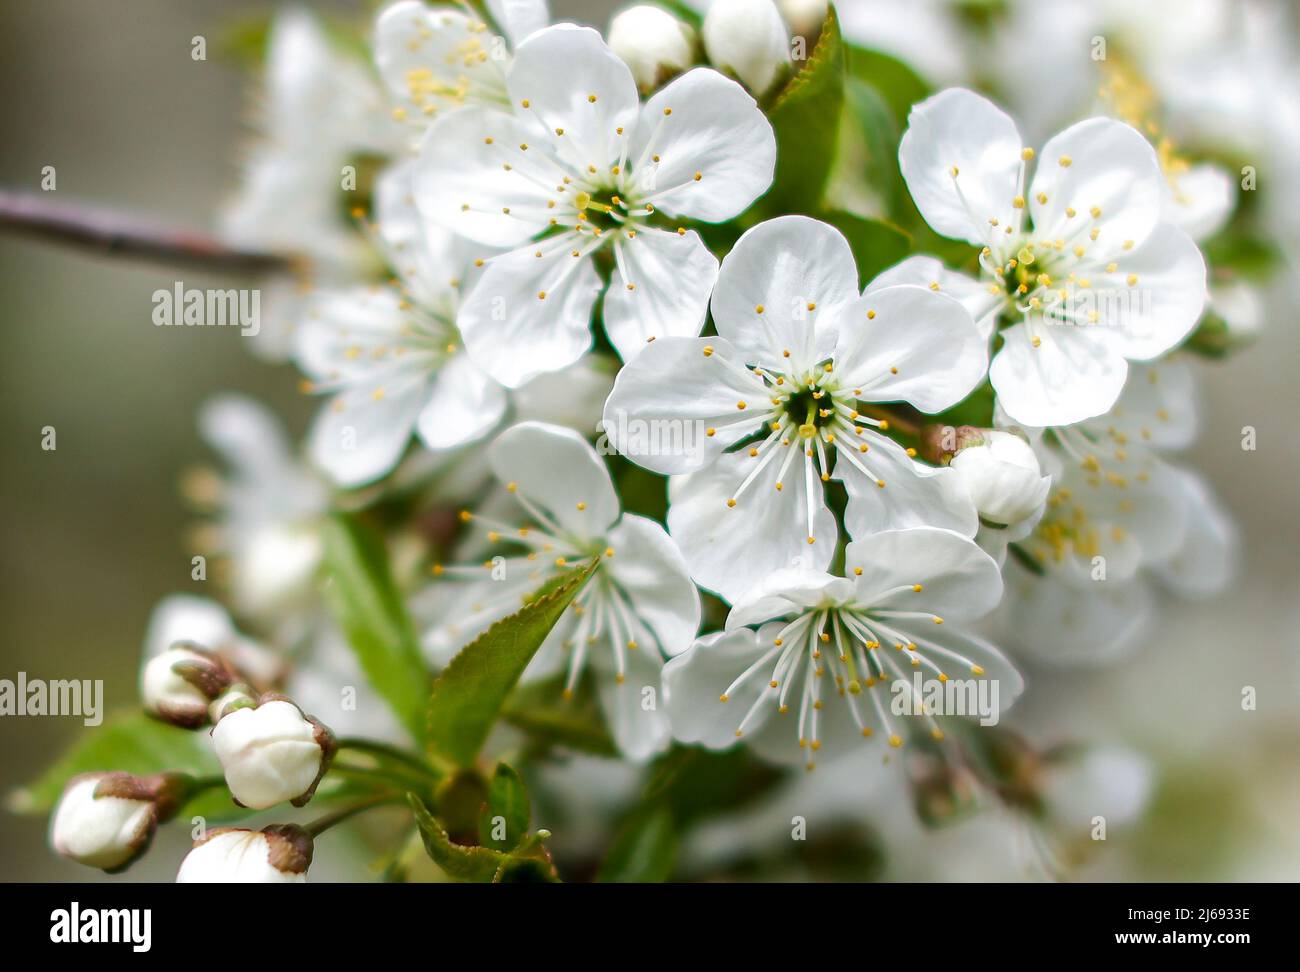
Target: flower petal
x: 577, y: 89
x: 958, y: 129
x: 695, y: 680
x: 1074, y: 374
x: 731, y: 548
x: 648, y: 568
x: 1166, y: 299
x: 792, y: 590
x: 1207, y: 560
x: 801, y: 273
x: 706, y: 124
x: 1200, y: 200
x: 557, y: 469
x: 464, y: 404
x: 519, y: 18
x: 433, y: 58
x: 914, y: 494
x: 468, y: 178
x: 665, y: 292
x: 639, y: 732
x: 667, y: 397
x: 908, y: 343
x: 925, y: 271
x: 958, y: 580
x: 1158, y: 405
x: 528, y: 314
x: 1107, y: 174
x: 361, y: 434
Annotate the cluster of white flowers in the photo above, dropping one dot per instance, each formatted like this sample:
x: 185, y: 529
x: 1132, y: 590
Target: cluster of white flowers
x: 576, y: 252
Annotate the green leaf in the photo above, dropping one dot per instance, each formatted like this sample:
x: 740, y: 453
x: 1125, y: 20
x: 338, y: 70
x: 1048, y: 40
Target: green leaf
x: 473, y: 864
x: 507, y: 802
x: 644, y: 851
x: 131, y: 742
x: 368, y: 607
x: 806, y: 119
x: 876, y: 245
x: 469, y: 694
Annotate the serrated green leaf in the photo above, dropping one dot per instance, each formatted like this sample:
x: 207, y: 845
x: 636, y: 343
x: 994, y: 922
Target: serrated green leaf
x: 507, y: 805
x: 645, y: 850
x: 876, y: 245
x: 473, y: 864
x: 369, y: 609
x: 468, y: 696
x: 806, y: 119
x: 131, y: 742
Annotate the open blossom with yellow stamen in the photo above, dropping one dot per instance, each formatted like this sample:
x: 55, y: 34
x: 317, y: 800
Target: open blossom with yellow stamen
x: 576, y: 169
x: 638, y: 608
x: 437, y: 57
x: 1085, y: 271
x: 817, y: 673
x: 772, y: 408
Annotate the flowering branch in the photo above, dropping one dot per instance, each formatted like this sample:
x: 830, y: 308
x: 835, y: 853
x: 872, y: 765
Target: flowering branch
x: 112, y: 233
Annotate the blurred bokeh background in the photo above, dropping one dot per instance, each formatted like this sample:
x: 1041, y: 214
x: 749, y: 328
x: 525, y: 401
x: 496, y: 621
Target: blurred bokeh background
x: 91, y: 535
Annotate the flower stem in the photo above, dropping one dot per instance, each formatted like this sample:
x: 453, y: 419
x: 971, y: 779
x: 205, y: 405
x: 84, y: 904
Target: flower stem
x: 322, y: 824
x: 382, y: 751
x: 117, y: 234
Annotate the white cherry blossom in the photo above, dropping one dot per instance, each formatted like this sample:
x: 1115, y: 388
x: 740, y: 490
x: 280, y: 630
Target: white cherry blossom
x: 777, y: 404
x: 818, y: 669
x: 638, y: 608
x: 578, y: 169
x: 1092, y: 279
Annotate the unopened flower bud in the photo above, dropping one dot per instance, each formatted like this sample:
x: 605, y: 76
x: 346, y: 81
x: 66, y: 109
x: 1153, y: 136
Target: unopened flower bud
x: 107, y: 820
x: 238, y: 696
x: 653, y: 43
x: 804, y: 17
x: 748, y: 39
x: 1002, y: 476
x: 278, y: 854
x: 272, y: 752
x: 179, y: 684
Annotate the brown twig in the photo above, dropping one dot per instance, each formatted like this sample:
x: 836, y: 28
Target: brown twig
x: 115, y: 234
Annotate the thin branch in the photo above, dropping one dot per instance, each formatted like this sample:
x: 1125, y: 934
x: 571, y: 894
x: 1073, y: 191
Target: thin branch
x: 116, y: 234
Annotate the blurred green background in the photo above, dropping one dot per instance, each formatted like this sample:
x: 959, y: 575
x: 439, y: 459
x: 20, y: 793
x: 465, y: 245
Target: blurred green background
x: 91, y: 535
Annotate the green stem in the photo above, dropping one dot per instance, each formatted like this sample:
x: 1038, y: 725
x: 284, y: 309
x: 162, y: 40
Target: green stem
x: 319, y: 826
x: 382, y: 750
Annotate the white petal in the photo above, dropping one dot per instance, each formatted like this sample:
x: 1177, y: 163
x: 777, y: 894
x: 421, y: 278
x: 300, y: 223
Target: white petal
x: 573, y: 396
x: 715, y: 129
x: 639, y: 732
x: 519, y: 18
x: 558, y: 71
x: 959, y: 129
x: 925, y: 271
x: 730, y: 549
x: 1207, y: 560
x: 247, y: 434
x: 184, y: 617
x: 1074, y: 374
x: 425, y: 54
x: 788, y: 592
x: 908, y: 343
x: 1163, y: 306
x: 914, y: 494
x: 649, y: 569
x: 997, y: 667
x: 1158, y: 405
x: 666, y: 290
x: 1200, y: 200
x: 667, y: 398
x: 351, y: 335
x: 555, y: 468
x: 527, y: 314
x: 958, y: 580
x: 1112, y: 169
x: 464, y: 404
x: 783, y: 266
x: 429, y: 258
x: 462, y: 181
x: 695, y: 680
x: 360, y: 434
